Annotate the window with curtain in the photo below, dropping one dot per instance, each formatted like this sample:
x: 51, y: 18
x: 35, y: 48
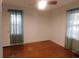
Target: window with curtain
x: 73, y: 24
x: 72, y: 34
x: 16, y: 27
x: 16, y: 19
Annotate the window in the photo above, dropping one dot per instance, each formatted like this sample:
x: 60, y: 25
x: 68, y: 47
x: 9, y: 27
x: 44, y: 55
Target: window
x: 16, y: 22
x: 73, y: 24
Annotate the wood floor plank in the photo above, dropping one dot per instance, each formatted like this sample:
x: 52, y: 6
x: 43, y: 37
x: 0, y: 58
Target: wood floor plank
x: 45, y: 49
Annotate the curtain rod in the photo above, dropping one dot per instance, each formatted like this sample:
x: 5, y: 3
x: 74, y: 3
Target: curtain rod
x: 73, y: 9
x: 15, y: 10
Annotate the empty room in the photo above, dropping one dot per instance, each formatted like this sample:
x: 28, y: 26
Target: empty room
x: 40, y: 28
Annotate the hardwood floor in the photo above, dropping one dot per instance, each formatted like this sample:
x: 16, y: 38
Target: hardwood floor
x: 45, y: 49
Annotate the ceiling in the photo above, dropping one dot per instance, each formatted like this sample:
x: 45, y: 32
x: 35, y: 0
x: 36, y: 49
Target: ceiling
x: 29, y: 3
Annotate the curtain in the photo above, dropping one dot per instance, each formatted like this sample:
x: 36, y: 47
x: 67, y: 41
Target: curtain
x: 72, y: 34
x: 16, y: 27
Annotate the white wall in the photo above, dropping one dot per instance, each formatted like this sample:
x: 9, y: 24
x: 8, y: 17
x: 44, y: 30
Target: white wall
x: 1, y: 53
x: 35, y: 24
x: 40, y: 25
x: 58, y: 23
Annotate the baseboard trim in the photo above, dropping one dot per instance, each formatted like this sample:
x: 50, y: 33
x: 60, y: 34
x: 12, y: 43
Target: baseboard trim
x: 24, y: 43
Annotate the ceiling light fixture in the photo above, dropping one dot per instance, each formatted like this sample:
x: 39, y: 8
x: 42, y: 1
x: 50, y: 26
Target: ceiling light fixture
x: 42, y: 4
